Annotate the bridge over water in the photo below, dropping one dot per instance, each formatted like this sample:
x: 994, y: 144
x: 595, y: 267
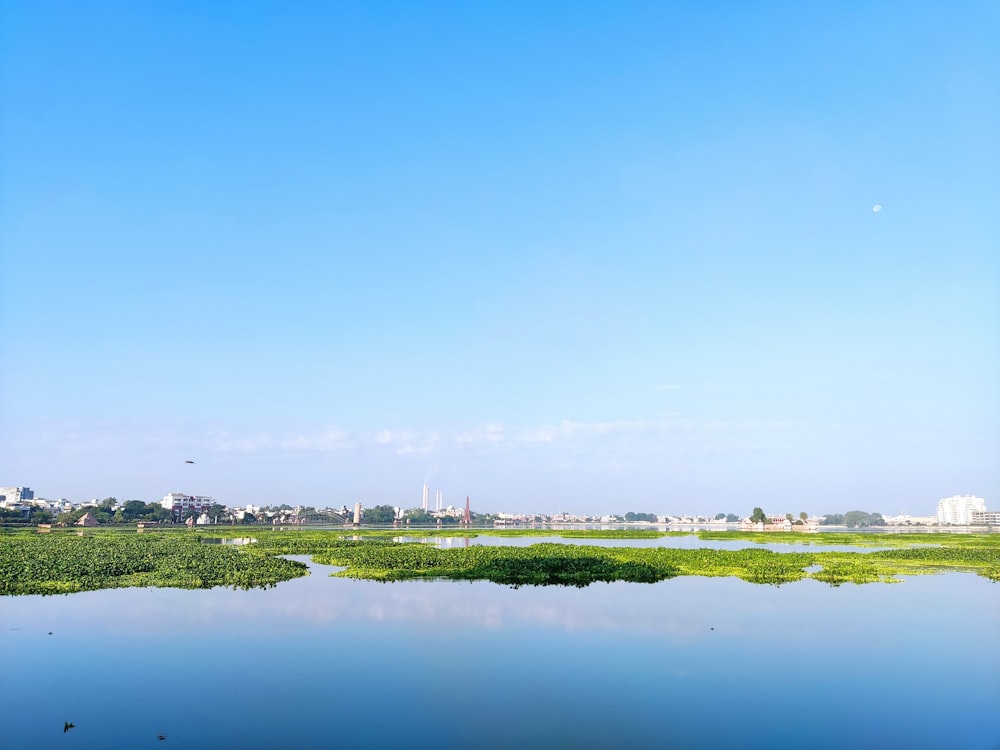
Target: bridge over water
x: 320, y: 518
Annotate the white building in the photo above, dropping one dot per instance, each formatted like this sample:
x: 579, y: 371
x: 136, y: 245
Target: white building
x: 958, y: 509
x: 986, y: 517
x: 11, y: 496
x: 179, y: 503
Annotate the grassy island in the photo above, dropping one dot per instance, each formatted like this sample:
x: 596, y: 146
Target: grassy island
x: 66, y: 562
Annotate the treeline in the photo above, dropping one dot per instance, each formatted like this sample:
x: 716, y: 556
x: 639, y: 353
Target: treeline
x: 854, y: 519
x: 109, y: 512
x: 387, y: 514
x: 649, y: 517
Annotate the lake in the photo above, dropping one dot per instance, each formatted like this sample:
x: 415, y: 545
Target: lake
x: 690, y: 662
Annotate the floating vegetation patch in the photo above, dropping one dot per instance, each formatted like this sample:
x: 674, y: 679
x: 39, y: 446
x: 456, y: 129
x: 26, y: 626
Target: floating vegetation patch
x: 65, y: 562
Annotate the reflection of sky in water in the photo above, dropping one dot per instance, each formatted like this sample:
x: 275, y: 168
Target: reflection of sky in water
x: 448, y: 664
x: 676, y: 542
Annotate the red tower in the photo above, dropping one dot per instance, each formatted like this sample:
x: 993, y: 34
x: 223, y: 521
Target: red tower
x: 467, y: 518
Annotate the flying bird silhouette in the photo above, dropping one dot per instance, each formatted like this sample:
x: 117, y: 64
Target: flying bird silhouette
x: 67, y: 726
x: 189, y: 462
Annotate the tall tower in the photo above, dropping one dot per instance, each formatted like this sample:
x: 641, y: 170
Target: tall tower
x: 467, y: 518
x: 424, y: 504
x: 439, y: 498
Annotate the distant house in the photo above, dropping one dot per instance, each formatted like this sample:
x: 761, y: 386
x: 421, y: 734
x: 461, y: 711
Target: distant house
x: 87, y: 520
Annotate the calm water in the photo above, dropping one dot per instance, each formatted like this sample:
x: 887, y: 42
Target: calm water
x: 330, y: 663
x: 676, y: 542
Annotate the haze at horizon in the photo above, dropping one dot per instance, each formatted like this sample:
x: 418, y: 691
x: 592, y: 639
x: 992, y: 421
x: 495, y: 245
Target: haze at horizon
x: 582, y: 258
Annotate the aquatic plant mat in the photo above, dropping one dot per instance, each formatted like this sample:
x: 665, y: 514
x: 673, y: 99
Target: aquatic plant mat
x: 66, y: 561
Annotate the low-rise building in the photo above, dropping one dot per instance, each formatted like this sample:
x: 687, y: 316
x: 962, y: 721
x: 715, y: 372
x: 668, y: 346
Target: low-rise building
x: 986, y: 518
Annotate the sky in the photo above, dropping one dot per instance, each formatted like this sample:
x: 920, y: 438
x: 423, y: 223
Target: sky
x: 584, y: 257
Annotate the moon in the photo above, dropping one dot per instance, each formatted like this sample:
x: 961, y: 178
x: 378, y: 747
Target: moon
x: 876, y: 208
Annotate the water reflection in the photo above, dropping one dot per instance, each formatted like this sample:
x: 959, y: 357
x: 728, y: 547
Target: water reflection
x: 674, y: 542
x: 237, y: 541
x: 480, y: 665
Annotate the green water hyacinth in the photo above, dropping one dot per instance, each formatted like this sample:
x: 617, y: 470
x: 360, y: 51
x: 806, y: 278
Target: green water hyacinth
x: 65, y: 562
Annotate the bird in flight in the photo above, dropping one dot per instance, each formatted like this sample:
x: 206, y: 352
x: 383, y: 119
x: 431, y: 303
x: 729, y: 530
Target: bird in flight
x: 189, y: 462
x: 67, y: 726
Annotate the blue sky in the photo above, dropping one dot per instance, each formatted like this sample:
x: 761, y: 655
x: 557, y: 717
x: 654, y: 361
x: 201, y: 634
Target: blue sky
x: 592, y: 257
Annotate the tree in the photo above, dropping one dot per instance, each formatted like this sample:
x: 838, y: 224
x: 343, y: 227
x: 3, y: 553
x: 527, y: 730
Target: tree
x: 860, y: 519
x: 803, y: 516
x: 70, y: 517
x: 788, y: 517
x: 133, y: 510
x: 832, y: 519
x: 419, y: 515
x: 720, y: 516
x: 11, y: 515
x: 379, y: 514
x: 631, y: 517
x: 758, y: 516
x: 732, y: 518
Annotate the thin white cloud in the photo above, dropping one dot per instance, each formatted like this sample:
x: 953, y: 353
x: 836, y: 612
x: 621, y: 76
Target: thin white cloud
x: 419, y: 444
x: 488, y: 433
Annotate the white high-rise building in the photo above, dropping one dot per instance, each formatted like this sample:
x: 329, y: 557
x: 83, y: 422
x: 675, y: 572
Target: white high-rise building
x: 423, y: 505
x: 958, y: 509
x: 439, y: 500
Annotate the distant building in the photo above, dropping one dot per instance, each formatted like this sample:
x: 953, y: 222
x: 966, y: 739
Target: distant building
x: 986, y: 518
x: 958, y: 509
x: 178, y: 503
x: 905, y: 519
x: 11, y: 496
x: 87, y: 520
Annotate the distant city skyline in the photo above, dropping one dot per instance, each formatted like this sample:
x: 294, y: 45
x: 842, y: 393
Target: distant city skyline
x: 639, y: 256
x: 954, y: 510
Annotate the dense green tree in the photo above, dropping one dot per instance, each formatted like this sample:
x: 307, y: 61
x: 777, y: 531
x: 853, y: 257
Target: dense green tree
x: 418, y: 515
x: 133, y: 510
x: 379, y: 514
x: 648, y: 517
x: 860, y: 519
x: 72, y: 516
x: 732, y: 518
x: 758, y: 516
x: 832, y: 519
x: 720, y: 516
